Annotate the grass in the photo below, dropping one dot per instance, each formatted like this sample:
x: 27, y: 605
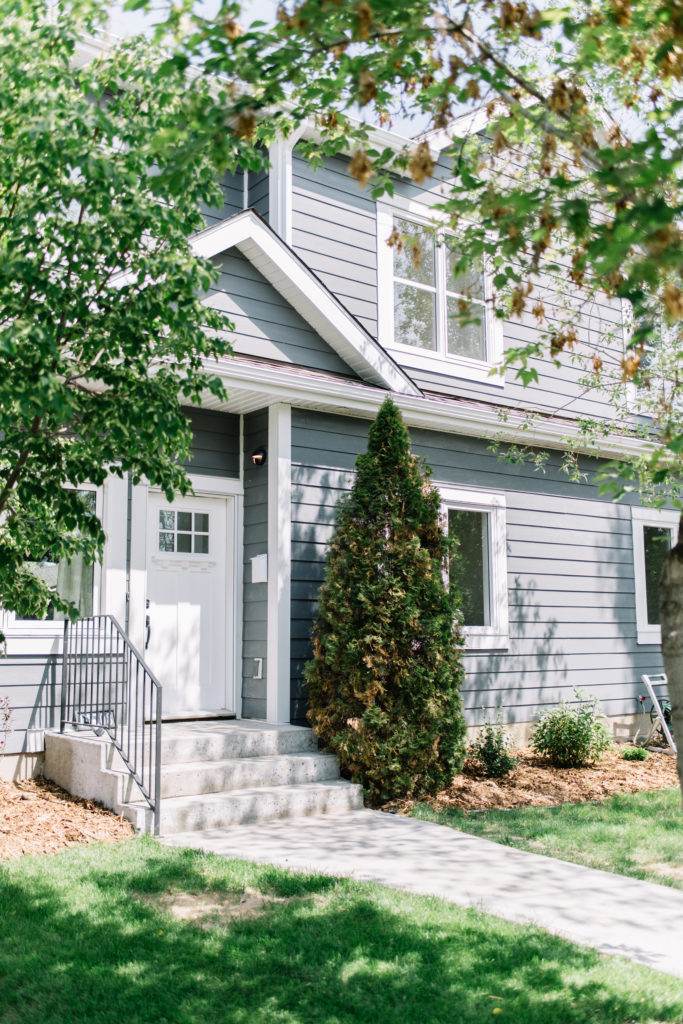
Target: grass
x: 86, y: 940
x: 639, y: 834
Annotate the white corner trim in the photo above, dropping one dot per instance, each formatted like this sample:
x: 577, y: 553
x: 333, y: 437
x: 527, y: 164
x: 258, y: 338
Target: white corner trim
x: 495, y: 636
x: 280, y: 185
x: 668, y: 519
x: 279, y: 563
x: 290, y: 276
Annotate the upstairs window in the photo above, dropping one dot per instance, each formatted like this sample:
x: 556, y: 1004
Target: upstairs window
x: 421, y: 300
x: 654, y: 534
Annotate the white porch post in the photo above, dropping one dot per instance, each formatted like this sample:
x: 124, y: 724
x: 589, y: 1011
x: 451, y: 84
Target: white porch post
x: 279, y: 562
x: 113, y: 578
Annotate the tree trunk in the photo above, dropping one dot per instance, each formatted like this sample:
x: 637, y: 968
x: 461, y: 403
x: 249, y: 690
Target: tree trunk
x: 671, y: 614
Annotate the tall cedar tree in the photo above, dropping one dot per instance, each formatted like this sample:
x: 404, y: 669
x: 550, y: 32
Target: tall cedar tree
x: 385, y: 677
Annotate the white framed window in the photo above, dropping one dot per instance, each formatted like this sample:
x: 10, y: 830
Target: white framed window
x: 654, y: 534
x: 74, y: 580
x: 420, y: 299
x: 479, y: 570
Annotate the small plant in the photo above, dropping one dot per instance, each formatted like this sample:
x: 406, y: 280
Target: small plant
x: 492, y: 748
x: 635, y: 754
x: 570, y: 735
x: 5, y: 719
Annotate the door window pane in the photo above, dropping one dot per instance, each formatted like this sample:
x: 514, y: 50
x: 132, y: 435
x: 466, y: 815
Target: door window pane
x: 657, y: 543
x: 414, y: 316
x: 184, y: 532
x: 468, y: 569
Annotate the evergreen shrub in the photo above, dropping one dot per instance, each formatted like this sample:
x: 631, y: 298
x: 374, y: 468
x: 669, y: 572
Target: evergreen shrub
x: 571, y: 735
x: 384, y: 681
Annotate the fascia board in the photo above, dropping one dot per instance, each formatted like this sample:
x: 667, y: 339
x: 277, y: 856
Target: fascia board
x: 427, y: 413
x: 292, y: 279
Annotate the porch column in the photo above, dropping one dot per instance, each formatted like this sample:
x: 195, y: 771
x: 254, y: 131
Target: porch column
x: 280, y: 562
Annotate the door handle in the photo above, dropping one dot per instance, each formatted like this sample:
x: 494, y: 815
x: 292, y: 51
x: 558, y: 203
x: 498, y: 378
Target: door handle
x: 148, y: 625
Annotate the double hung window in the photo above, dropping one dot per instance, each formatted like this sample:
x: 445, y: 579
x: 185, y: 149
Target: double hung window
x: 432, y: 316
x: 654, y: 534
x: 478, y: 567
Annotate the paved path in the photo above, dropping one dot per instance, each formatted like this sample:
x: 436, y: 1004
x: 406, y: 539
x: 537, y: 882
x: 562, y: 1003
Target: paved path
x: 614, y: 914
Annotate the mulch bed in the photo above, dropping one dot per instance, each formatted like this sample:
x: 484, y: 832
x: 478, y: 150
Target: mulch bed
x: 534, y: 783
x: 36, y: 816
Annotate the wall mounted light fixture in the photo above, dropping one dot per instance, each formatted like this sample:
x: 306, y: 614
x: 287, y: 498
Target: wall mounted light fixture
x: 259, y: 457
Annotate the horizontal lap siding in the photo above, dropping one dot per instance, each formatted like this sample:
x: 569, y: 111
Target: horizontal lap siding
x: 334, y: 231
x: 266, y: 325
x: 215, y: 443
x: 33, y: 685
x: 259, y: 192
x: 254, y: 637
x: 571, y: 589
x: 232, y: 187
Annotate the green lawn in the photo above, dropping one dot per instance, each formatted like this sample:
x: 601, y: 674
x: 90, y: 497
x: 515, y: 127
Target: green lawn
x: 85, y: 940
x: 640, y: 834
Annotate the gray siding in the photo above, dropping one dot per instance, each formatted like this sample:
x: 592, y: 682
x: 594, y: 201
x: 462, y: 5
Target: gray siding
x: 334, y: 231
x: 215, y: 443
x: 232, y: 187
x: 569, y: 560
x: 254, y: 636
x: 258, y: 192
x: 266, y: 326
x: 32, y: 683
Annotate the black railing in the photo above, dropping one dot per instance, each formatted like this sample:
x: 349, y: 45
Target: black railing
x: 107, y: 687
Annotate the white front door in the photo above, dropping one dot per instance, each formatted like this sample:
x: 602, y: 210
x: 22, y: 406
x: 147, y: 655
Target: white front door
x: 188, y: 642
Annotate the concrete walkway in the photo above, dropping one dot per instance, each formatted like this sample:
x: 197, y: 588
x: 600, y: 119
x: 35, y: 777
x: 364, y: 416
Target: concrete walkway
x: 615, y: 915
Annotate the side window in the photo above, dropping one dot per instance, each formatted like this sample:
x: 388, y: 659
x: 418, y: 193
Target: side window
x: 479, y: 567
x: 73, y: 580
x: 654, y: 534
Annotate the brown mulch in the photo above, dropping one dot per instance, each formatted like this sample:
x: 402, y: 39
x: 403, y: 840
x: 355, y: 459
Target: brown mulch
x: 534, y: 783
x: 36, y: 816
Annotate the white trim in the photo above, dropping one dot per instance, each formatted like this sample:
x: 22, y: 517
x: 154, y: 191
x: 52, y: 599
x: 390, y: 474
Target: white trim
x: 290, y: 276
x: 495, y: 636
x: 471, y: 419
x: 280, y: 185
x: 640, y: 517
x: 439, y: 360
x: 278, y: 657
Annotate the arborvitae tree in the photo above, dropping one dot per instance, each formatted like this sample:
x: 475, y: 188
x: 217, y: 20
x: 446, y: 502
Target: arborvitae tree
x: 384, y: 681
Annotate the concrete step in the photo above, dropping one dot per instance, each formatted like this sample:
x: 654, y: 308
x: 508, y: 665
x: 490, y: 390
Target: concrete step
x: 238, y: 773
x: 218, y: 810
x: 184, y: 742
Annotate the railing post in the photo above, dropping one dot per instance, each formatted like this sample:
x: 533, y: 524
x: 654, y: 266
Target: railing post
x: 157, y: 765
x: 65, y: 656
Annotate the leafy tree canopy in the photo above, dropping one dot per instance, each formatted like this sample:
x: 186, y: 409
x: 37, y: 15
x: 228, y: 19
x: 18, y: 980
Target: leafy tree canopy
x: 577, y: 172
x: 102, y: 331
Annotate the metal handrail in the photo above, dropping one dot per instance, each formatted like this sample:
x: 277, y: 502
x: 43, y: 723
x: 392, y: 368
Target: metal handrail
x: 108, y: 687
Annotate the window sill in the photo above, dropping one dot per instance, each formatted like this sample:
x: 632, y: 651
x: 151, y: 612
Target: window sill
x: 449, y: 366
x: 650, y: 635
x: 485, y: 640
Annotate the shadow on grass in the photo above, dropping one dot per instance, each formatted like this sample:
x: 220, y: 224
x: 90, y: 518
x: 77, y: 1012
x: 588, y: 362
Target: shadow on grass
x: 83, y: 942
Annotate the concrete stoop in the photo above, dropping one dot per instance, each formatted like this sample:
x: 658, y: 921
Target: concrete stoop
x: 213, y: 774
